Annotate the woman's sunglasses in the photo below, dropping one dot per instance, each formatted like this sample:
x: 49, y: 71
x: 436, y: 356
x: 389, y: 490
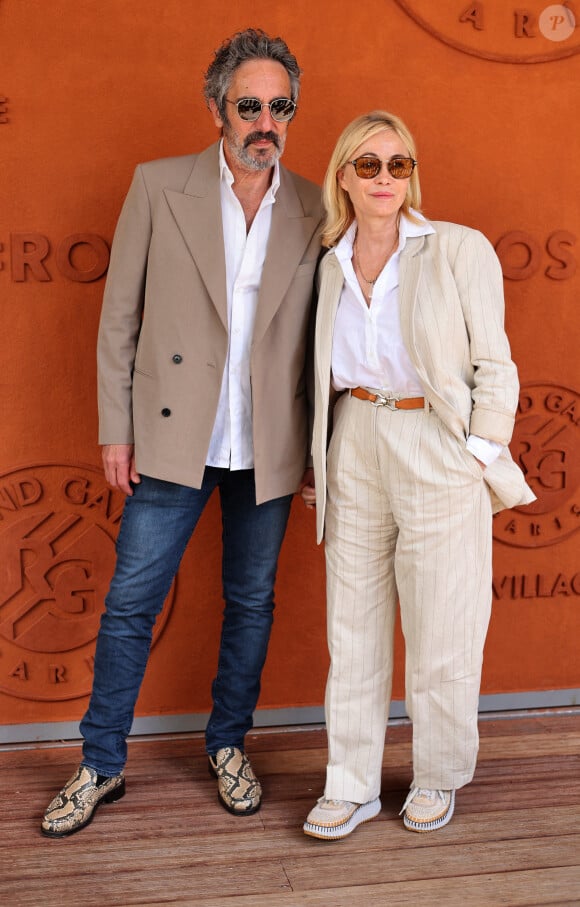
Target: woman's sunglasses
x: 367, y: 168
x: 281, y: 109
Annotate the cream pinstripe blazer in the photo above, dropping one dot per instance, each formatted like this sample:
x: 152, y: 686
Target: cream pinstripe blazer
x: 452, y: 322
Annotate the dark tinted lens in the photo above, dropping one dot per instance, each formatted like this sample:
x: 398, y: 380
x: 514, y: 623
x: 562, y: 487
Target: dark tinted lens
x: 367, y: 167
x: 282, y: 109
x: 249, y: 109
x: 401, y: 167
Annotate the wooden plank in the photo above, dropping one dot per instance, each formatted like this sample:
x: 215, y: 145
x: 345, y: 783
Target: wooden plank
x: 539, y: 888
x: 57, y: 863
x: 82, y: 879
x: 160, y: 843
x: 446, y: 859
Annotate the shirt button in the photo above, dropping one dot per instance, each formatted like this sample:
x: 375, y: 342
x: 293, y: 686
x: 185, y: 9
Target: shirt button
x: 177, y: 358
x: 165, y: 412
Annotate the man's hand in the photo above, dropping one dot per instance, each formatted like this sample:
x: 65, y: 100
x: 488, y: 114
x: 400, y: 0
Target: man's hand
x: 307, y: 489
x: 119, y: 463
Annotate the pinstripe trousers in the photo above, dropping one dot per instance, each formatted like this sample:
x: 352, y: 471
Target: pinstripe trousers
x: 408, y: 518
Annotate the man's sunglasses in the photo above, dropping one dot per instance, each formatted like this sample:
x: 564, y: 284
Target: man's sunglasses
x: 367, y: 168
x: 281, y: 109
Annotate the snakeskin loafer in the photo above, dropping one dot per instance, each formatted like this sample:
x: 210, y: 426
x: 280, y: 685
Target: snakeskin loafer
x: 239, y: 791
x: 75, y: 805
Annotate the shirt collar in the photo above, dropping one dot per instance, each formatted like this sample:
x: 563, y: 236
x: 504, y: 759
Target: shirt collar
x: 407, y: 228
x: 227, y: 177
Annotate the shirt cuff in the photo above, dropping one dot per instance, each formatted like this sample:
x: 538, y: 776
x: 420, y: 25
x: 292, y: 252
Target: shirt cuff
x: 484, y: 450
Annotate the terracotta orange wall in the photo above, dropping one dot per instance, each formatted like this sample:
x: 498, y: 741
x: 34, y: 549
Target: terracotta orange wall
x: 87, y: 90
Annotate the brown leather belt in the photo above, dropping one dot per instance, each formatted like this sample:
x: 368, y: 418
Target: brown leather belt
x: 389, y: 402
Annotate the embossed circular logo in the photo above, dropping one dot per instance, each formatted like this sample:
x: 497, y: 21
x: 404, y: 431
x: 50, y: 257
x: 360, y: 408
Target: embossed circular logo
x: 546, y: 444
x: 500, y: 31
x: 557, y: 22
x: 58, y: 525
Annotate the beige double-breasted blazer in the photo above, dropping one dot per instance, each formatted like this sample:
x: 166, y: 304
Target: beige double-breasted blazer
x: 452, y: 321
x: 163, y: 336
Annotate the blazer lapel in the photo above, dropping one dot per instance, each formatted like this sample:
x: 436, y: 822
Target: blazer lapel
x: 410, y: 268
x: 290, y: 234
x: 198, y: 215
x: 410, y: 271
x: 329, y: 297
x: 409, y: 276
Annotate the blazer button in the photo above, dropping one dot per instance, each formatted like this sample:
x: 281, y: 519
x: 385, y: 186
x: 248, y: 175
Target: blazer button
x: 165, y: 412
x: 177, y: 358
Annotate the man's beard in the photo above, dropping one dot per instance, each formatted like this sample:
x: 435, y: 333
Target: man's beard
x: 257, y: 158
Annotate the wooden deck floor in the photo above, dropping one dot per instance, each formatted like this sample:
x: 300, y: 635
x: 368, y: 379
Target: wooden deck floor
x: 514, y: 839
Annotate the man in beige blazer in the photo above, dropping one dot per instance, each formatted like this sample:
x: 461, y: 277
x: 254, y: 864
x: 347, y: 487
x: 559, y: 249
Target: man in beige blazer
x: 202, y: 385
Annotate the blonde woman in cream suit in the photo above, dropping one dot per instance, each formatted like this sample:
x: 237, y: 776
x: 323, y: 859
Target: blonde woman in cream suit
x: 415, y: 397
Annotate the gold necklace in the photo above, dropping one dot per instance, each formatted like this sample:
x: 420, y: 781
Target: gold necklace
x: 372, y: 282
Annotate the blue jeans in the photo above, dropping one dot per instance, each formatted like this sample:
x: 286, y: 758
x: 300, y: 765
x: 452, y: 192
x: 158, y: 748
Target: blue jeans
x: 158, y: 521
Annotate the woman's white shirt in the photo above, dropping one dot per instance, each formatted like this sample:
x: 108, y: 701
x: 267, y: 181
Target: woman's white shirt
x: 367, y: 348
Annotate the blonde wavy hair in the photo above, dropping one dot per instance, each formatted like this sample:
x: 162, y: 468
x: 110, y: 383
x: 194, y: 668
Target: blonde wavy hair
x: 339, y: 209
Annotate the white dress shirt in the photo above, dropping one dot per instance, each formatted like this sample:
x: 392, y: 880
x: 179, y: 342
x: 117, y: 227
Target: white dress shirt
x: 368, y: 349
x: 231, y: 444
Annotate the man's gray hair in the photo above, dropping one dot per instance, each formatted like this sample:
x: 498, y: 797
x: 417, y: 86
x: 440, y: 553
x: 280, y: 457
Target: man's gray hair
x: 251, y: 44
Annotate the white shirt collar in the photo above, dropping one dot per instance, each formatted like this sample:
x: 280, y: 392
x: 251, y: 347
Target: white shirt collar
x: 407, y: 228
x: 227, y: 177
